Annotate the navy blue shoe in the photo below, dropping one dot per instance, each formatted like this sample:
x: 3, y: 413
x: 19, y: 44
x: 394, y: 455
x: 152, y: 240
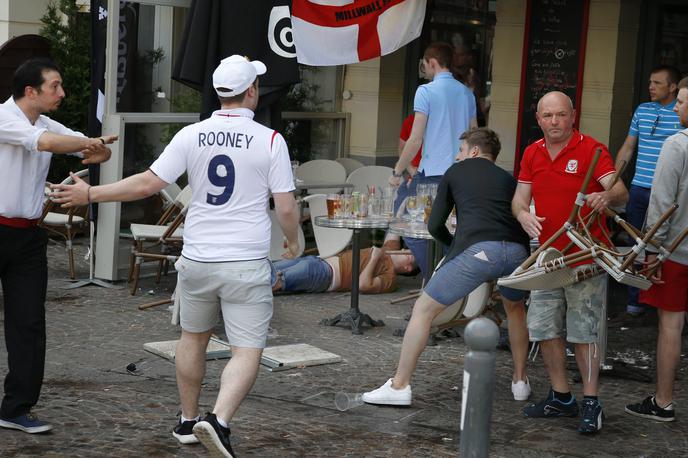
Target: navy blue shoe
x: 27, y: 422
x: 591, y: 420
x: 552, y: 407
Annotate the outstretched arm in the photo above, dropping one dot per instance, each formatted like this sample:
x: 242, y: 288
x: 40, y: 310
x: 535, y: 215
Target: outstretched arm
x: 135, y: 187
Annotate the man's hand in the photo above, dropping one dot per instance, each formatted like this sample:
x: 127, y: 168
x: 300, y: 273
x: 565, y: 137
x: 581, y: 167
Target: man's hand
x: 97, y: 152
x: 292, y: 250
x: 656, y: 278
x: 530, y: 223
x: 394, y: 181
x: 70, y: 195
x: 598, y: 201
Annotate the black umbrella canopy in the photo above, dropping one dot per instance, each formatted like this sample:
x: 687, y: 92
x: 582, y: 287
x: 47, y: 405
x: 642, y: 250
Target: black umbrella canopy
x: 259, y: 30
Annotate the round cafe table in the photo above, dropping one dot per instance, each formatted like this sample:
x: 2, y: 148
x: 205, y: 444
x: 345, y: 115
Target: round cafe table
x: 353, y: 316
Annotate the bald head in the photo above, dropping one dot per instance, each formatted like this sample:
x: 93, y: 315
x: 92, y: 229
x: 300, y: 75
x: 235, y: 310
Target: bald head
x: 556, y: 96
x: 555, y: 116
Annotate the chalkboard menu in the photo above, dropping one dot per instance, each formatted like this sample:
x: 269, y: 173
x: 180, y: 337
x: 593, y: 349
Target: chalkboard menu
x: 553, y: 58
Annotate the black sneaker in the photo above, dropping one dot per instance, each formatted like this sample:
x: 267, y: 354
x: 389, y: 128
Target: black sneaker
x: 183, y: 432
x: 649, y: 409
x: 591, y: 420
x: 214, y: 437
x: 552, y: 407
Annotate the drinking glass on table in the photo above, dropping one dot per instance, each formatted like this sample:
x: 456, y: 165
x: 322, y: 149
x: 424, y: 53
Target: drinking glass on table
x: 332, y: 206
x: 413, y: 207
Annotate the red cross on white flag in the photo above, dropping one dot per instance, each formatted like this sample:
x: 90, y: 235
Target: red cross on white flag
x: 338, y: 32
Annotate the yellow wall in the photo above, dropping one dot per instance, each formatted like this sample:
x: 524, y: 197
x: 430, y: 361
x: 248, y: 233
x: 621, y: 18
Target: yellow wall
x: 506, y: 76
x: 376, y: 91
x: 20, y: 17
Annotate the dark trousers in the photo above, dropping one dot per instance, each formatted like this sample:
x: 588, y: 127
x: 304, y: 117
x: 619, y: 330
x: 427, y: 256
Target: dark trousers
x: 24, y: 276
x: 636, y: 210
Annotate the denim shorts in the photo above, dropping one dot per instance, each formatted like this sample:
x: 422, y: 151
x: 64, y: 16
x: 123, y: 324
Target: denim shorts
x: 477, y: 264
x: 581, y: 304
x: 309, y: 274
x: 240, y: 288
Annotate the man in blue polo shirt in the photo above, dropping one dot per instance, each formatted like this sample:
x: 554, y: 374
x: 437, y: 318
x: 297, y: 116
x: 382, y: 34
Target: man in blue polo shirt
x: 444, y: 109
x: 652, y: 123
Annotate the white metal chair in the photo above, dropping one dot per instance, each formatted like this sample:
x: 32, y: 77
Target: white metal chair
x: 171, y: 236
x: 330, y: 241
x: 369, y: 175
x: 350, y: 164
x: 154, y: 233
x: 463, y: 310
x: 319, y: 171
x: 66, y: 225
x: 169, y: 194
x: 277, y: 239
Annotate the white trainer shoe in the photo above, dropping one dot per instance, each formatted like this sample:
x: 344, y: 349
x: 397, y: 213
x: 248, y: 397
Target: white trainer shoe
x: 521, y: 390
x: 386, y: 395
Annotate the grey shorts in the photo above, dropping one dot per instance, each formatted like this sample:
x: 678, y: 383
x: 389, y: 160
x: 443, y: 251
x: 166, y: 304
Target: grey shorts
x: 241, y: 288
x: 581, y: 304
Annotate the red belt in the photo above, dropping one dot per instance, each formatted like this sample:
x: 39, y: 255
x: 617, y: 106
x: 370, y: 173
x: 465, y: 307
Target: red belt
x: 20, y: 223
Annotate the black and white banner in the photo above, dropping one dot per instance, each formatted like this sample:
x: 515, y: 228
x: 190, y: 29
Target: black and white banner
x: 127, y: 48
x: 216, y: 29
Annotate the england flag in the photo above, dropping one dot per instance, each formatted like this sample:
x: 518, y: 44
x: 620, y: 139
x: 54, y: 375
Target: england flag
x: 338, y: 32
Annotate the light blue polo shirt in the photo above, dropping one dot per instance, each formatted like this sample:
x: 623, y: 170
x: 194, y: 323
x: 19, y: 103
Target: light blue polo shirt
x: 652, y: 123
x: 449, y: 106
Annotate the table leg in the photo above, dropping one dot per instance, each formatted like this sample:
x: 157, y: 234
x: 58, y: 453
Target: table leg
x: 353, y: 316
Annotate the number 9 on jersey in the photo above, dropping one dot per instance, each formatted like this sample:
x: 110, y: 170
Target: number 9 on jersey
x: 221, y: 174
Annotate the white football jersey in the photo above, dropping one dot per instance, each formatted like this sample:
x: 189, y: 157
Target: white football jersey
x: 233, y: 164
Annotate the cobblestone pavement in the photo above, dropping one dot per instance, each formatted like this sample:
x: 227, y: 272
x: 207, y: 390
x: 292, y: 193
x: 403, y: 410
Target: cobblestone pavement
x: 100, y: 409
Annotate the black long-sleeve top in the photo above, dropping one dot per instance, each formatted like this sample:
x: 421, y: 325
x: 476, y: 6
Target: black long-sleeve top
x: 481, y: 192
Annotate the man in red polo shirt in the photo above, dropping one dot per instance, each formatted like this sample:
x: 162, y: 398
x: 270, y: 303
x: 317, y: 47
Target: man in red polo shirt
x: 552, y: 172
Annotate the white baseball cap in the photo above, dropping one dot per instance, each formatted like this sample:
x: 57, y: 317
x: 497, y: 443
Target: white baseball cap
x: 236, y: 73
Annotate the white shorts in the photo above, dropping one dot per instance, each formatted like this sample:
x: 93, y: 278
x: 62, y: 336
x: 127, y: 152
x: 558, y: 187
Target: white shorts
x: 241, y: 288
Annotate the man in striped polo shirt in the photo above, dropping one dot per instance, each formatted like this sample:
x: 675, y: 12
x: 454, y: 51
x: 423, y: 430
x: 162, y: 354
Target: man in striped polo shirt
x: 652, y: 123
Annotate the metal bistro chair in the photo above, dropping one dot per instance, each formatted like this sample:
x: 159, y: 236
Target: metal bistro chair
x: 321, y: 170
x: 153, y: 234
x: 350, y: 164
x: 169, y: 238
x: 329, y: 241
x: 66, y: 225
x: 369, y: 175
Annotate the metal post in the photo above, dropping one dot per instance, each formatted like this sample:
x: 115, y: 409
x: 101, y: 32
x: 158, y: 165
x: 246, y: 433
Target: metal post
x: 481, y: 336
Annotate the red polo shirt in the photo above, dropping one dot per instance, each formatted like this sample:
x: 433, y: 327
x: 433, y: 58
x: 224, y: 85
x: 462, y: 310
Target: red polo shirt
x: 555, y: 183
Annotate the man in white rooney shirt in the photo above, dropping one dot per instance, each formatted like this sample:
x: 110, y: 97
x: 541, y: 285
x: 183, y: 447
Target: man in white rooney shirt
x: 233, y: 164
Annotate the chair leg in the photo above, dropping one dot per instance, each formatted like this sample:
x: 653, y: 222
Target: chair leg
x: 135, y: 275
x: 132, y: 258
x: 158, y: 274
x: 70, y: 254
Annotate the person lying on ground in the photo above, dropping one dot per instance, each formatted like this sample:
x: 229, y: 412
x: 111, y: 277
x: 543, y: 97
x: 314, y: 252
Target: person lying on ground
x: 312, y: 274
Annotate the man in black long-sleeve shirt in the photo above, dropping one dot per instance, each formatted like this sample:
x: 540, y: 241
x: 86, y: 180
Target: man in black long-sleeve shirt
x: 489, y: 243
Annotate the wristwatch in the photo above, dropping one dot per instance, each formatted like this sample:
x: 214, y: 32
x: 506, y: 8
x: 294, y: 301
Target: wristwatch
x: 397, y: 175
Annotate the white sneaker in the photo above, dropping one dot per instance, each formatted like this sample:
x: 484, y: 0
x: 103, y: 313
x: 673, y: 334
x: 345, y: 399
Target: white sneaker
x: 521, y: 390
x: 386, y: 395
